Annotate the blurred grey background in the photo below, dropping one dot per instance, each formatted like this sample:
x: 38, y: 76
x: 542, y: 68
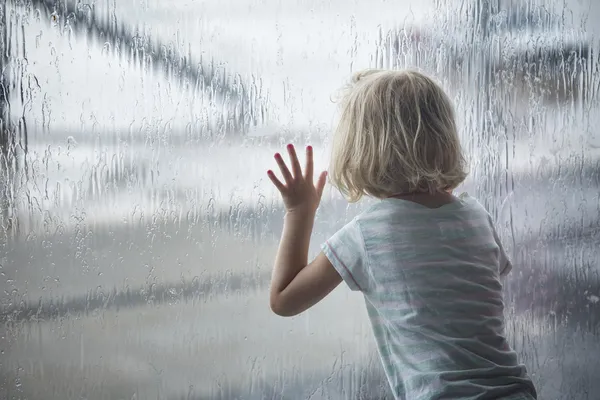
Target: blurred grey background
x: 138, y: 226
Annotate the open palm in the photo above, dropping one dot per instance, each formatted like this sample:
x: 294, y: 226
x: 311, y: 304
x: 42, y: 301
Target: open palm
x: 299, y: 192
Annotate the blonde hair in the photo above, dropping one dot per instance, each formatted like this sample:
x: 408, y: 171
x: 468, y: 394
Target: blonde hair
x: 396, y: 135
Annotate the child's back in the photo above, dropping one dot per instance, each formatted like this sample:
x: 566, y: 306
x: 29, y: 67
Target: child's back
x: 431, y: 281
x: 428, y: 264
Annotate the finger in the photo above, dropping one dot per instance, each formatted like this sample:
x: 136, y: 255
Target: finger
x: 308, y: 172
x: 296, y: 168
x: 321, y: 183
x: 284, y: 169
x: 280, y: 186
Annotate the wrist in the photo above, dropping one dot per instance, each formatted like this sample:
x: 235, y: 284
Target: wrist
x: 303, y: 219
x: 300, y: 214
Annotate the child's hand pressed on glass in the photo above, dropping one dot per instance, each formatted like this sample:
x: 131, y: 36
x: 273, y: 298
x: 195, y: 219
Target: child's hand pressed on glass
x: 297, y: 285
x: 299, y: 192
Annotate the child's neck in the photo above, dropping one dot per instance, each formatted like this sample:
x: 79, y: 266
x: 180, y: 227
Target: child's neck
x: 429, y: 200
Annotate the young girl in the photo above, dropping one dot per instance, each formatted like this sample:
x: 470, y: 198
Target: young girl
x: 428, y: 263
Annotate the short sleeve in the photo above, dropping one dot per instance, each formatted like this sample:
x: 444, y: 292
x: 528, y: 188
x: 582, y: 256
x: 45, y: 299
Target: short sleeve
x: 346, y: 252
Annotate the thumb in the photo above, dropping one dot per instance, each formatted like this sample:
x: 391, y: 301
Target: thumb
x: 321, y: 183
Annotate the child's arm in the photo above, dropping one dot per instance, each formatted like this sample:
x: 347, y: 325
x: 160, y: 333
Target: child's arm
x: 505, y: 264
x: 295, y: 285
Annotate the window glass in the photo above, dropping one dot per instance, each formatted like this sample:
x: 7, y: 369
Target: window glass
x: 139, y: 227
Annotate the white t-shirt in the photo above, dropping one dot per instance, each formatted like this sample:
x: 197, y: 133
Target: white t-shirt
x: 431, y: 282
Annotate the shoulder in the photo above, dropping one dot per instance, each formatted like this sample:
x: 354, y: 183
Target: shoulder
x: 466, y: 198
x: 374, y: 215
x: 379, y: 210
x: 474, y: 205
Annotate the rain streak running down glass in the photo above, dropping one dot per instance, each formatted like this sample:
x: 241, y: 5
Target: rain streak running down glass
x: 138, y: 226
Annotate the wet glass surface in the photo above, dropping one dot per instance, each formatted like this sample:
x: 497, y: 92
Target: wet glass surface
x: 139, y: 227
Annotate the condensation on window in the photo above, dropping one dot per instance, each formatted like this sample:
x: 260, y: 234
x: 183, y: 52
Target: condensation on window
x: 138, y: 226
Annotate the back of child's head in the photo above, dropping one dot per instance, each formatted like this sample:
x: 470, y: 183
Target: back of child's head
x: 396, y: 135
